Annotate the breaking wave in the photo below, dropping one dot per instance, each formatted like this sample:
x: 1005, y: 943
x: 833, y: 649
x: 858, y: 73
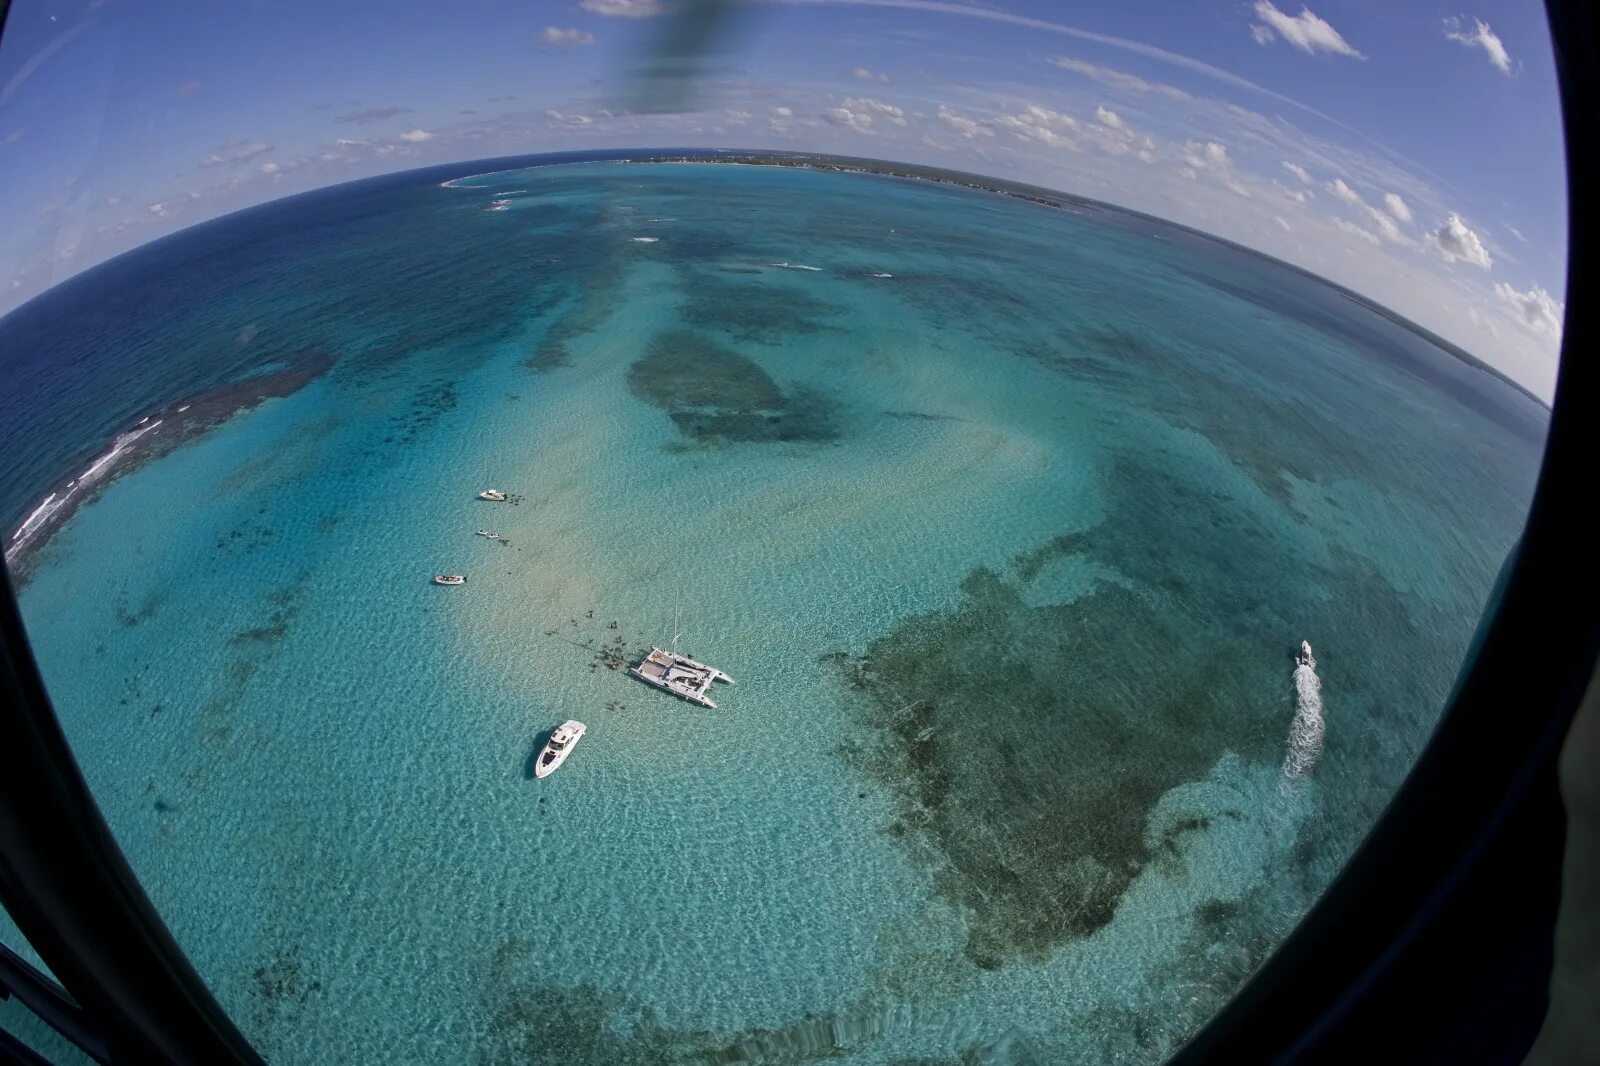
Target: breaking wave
x: 57, y: 500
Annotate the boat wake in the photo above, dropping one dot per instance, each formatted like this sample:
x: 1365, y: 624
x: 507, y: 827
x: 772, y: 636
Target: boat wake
x: 1305, y: 732
x: 793, y: 266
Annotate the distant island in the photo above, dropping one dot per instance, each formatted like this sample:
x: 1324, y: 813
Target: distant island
x: 1056, y: 200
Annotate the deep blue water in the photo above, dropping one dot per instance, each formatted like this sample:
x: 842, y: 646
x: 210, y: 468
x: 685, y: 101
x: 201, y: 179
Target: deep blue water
x: 1009, y: 551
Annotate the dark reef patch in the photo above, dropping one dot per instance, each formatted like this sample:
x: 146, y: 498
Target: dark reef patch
x: 280, y: 988
x: 428, y: 404
x: 147, y: 608
x: 714, y: 395
x: 1028, y: 564
x: 531, y: 1022
x: 1029, y: 744
x: 176, y: 423
x: 766, y: 313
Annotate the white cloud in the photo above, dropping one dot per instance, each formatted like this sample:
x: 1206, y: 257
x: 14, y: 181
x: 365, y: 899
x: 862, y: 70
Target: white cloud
x: 735, y: 117
x: 963, y: 125
x: 1304, y: 31
x: 416, y: 136
x: 1385, y: 221
x: 233, y: 152
x: 1041, y: 124
x: 1213, y: 158
x: 868, y: 75
x: 858, y: 112
x: 1481, y: 36
x: 270, y: 168
x: 1455, y: 241
x: 1344, y: 192
x: 572, y: 35
x: 1356, y: 231
x: 1279, y: 220
x: 569, y: 118
x: 629, y: 9
x: 1298, y: 171
x: 1119, y: 79
x: 783, y: 112
x: 1111, y: 134
x: 1538, y: 310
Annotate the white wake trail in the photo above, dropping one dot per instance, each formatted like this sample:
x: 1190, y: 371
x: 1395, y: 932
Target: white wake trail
x: 1305, y: 732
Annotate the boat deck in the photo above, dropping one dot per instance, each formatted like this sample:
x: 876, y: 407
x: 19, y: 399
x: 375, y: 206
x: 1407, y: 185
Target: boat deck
x: 679, y: 675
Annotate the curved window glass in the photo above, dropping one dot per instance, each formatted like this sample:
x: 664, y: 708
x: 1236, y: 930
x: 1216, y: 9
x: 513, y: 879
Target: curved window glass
x: 648, y: 532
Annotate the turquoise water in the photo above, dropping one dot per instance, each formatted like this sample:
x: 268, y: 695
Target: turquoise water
x: 1008, y: 552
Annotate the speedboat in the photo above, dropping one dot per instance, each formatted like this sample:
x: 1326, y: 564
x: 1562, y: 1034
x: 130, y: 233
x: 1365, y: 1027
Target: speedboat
x: 492, y: 494
x: 1305, y: 658
x: 449, y: 579
x: 562, y: 741
x: 489, y: 534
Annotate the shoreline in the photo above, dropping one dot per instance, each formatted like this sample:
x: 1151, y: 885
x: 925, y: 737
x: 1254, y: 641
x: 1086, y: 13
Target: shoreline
x: 156, y: 434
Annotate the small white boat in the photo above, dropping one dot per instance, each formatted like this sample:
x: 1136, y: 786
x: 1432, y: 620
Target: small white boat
x: 449, y: 579
x: 880, y: 275
x: 562, y: 741
x: 1305, y: 658
x: 492, y: 494
x: 489, y: 533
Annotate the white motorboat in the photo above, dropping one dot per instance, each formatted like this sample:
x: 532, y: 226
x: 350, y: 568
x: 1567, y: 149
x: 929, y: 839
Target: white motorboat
x: 449, y: 579
x: 1305, y: 658
x: 489, y: 533
x: 492, y: 494
x: 562, y: 741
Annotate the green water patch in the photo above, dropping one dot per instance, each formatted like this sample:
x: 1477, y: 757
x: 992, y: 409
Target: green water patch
x: 716, y: 396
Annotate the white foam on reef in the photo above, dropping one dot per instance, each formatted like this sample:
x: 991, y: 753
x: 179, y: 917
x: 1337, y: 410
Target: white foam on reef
x: 793, y: 266
x: 40, y: 513
x: 55, y: 501
x: 644, y: 240
x: 1305, y: 732
x: 499, y: 205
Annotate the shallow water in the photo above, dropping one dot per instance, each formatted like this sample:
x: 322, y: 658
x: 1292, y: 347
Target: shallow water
x: 1009, y: 553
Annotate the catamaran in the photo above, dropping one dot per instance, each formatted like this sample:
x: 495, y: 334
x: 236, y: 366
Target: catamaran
x: 678, y: 674
x: 562, y: 741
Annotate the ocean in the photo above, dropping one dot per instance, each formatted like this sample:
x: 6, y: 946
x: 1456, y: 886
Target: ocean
x: 1007, y: 520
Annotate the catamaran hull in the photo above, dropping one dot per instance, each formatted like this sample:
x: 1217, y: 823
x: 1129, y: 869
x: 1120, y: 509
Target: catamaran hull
x: 654, y: 683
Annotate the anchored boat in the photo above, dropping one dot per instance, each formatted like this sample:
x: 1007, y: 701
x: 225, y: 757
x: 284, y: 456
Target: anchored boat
x: 562, y: 741
x: 449, y: 579
x: 492, y: 494
x: 679, y: 674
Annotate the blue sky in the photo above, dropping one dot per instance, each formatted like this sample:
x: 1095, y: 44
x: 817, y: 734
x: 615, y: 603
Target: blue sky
x: 1411, y: 152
